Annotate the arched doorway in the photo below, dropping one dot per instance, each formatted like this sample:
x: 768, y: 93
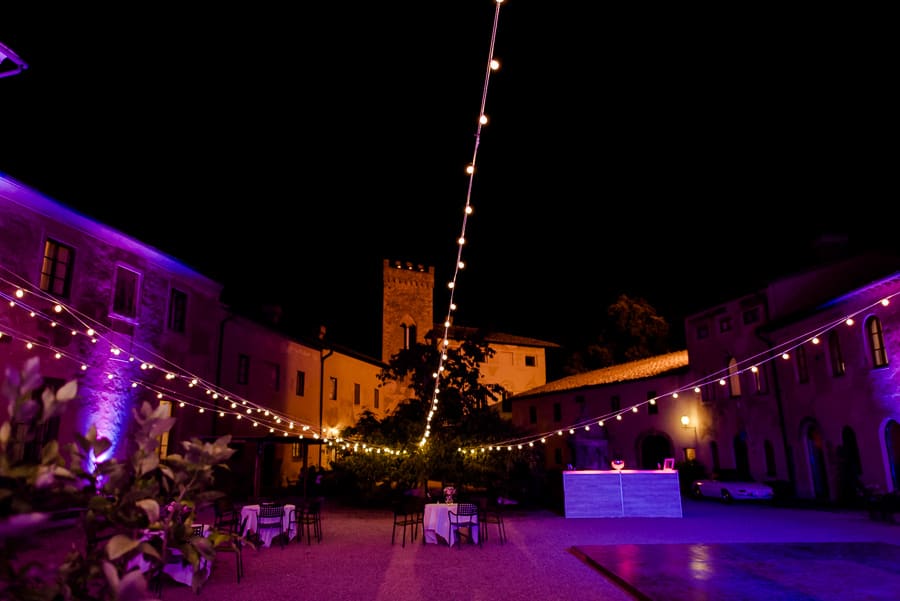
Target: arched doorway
x: 892, y: 446
x: 654, y: 449
x: 815, y: 452
x: 849, y: 467
x: 741, y: 454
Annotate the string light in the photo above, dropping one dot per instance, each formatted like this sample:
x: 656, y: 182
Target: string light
x: 492, y: 65
x: 31, y: 298
x: 751, y: 364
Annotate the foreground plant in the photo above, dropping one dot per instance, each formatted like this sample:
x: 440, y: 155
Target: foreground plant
x: 144, y: 506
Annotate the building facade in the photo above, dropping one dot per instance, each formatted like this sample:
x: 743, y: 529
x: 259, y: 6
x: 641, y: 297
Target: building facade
x: 134, y: 325
x: 793, y: 383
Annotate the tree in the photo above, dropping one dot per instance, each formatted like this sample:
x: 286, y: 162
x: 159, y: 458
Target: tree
x: 633, y: 330
x: 466, y: 417
x: 121, y: 500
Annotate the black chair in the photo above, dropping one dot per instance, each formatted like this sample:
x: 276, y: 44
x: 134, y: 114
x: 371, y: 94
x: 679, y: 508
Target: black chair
x: 490, y: 511
x: 463, y: 523
x: 233, y: 543
x: 271, y: 518
x: 226, y: 512
x: 309, y: 516
x: 408, y: 513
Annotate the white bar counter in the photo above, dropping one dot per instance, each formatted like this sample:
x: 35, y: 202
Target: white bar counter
x: 625, y: 493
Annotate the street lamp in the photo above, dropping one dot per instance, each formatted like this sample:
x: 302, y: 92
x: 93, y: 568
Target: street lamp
x: 690, y: 453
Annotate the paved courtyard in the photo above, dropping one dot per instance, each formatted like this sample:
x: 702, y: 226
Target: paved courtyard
x: 714, y: 552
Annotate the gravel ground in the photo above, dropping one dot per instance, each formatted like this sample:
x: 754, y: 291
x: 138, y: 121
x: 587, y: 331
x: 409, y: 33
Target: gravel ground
x: 357, y: 562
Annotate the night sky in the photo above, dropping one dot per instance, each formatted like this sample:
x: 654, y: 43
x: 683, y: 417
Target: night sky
x: 682, y: 155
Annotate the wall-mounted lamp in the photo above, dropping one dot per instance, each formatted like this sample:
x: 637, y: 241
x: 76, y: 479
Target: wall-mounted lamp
x: 690, y: 453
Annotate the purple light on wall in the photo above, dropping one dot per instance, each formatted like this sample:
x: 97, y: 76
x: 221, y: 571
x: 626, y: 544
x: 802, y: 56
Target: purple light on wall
x: 108, y: 407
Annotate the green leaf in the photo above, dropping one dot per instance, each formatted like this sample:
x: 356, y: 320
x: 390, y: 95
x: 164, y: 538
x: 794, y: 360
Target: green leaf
x: 120, y: 545
x: 68, y: 391
x: 133, y: 587
x: 150, y: 507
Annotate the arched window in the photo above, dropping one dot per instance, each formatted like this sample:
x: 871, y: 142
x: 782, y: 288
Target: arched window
x: 835, y: 355
x: 876, y: 342
x: 409, y: 336
x: 734, y: 378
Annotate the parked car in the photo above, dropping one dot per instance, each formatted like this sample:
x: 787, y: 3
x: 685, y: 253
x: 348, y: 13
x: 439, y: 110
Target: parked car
x: 729, y: 485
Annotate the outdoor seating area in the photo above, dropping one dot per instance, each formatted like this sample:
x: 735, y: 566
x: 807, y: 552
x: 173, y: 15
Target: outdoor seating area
x: 550, y: 558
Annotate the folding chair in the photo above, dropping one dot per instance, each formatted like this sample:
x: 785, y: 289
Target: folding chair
x: 408, y: 513
x: 271, y: 520
x: 464, y: 518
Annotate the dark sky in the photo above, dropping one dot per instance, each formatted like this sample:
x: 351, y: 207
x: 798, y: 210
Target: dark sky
x: 678, y: 154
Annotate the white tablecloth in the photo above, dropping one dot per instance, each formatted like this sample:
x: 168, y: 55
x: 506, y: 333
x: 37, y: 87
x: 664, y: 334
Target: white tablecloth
x: 436, y: 523
x: 252, y: 513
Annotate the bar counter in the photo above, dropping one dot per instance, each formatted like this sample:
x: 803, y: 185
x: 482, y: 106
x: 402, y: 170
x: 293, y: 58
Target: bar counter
x: 625, y: 493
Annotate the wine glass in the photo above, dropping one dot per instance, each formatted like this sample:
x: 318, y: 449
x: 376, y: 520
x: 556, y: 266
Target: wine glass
x: 618, y: 464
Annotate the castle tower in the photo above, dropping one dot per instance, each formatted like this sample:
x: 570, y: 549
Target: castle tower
x: 407, y: 306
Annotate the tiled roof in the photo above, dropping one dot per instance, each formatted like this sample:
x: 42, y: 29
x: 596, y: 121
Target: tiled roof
x: 633, y: 370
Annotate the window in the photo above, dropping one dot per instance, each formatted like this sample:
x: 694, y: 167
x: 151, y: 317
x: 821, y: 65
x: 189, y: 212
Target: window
x: 177, y: 311
x: 751, y: 315
x: 357, y: 391
x: 802, y: 366
x: 725, y: 324
x: 557, y: 412
x: 409, y: 336
x: 615, y: 403
x: 243, y: 370
x: 876, y: 342
x: 702, y: 332
x: 295, y: 451
x: 530, y: 361
x: 56, y: 269
x: 376, y: 399
x: 27, y: 443
x: 835, y: 355
x: 532, y: 415
x: 273, y: 375
x: 301, y: 383
x: 652, y: 407
x: 332, y: 393
x: 125, y: 293
x: 734, y: 378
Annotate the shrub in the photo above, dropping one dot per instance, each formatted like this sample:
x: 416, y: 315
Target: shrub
x: 122, y: 501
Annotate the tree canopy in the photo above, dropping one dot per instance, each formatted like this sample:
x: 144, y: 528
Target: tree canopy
x: 466, y: 417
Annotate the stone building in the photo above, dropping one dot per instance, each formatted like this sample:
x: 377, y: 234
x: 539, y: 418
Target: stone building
x: 794, y: 384
x: 133, y: 325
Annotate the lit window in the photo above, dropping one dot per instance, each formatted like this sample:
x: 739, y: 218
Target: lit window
x: 56, y: 269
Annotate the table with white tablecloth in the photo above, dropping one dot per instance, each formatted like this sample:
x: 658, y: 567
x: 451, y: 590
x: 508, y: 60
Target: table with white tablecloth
x: 436, y: 523
x: 251, y: 512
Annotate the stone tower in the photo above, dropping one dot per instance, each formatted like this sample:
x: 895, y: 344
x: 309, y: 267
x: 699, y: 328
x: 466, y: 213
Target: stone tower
x: 407, y: 305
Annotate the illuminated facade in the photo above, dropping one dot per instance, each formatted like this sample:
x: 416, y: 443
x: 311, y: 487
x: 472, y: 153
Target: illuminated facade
x: 792, y: 383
